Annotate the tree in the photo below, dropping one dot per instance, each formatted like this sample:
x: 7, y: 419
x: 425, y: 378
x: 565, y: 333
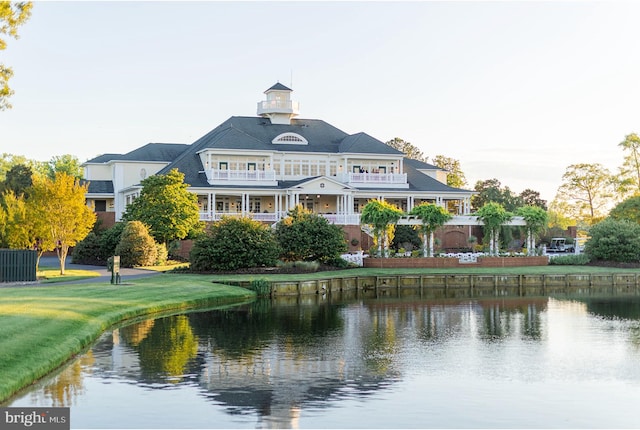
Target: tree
x: 7, y: 161
x: 15, y: 226
x: 629, y: 209
x: 531, y: 197
x: 68, y: 164
x: 455, y: 175
x: 491, y: 190
x: 432, y: 217
x: 12, y: 15
x: 136, y: 247
x: 235, y: 243
x: 536, y: 219
x: 409, y: 150
x: 493, y: 215
x: 18, y: 179
x: 588, y: 190
x: 382, y: 217
x: 304, y: 235
x: 630, y: 169
x: 167, y: 207
x: 65, y: 219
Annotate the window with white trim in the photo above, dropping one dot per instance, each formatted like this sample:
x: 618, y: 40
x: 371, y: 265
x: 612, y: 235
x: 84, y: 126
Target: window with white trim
x: 289, y: 139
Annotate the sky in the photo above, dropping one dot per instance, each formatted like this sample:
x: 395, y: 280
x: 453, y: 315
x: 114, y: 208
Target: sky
x: 514, y: 90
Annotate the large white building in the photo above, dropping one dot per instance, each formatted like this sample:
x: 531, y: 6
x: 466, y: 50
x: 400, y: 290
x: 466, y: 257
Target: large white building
x: 265, y: 165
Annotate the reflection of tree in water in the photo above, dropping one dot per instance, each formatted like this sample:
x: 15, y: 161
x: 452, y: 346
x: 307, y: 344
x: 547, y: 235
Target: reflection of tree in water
x: 248, y: 328
x: 614, y: 307
x: 498, y: 317
x: 167, y: 349
x: 133, y: 334
x: 63, y: 389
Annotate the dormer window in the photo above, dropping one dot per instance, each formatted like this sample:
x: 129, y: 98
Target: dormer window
x: 290, y: 139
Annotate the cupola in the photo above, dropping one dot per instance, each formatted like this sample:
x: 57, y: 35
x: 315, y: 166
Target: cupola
x: 278, y: 107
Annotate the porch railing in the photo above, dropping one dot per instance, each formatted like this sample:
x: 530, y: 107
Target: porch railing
x: 240, y: 175
x: 341, y: 219
x: 374, y: 178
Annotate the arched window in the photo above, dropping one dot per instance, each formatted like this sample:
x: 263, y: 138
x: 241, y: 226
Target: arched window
x: 289, y: 139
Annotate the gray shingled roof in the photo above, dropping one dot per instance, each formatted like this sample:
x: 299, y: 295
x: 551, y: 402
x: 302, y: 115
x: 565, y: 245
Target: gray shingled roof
x: 418, y: 181
x: 363, y: 143
x: 164, y: 152
x: 99, y: 187
x: 278, y: 86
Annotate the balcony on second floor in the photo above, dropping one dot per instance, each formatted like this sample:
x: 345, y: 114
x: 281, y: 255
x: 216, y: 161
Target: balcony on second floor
x: 378, y: 180
x: 240, y: 177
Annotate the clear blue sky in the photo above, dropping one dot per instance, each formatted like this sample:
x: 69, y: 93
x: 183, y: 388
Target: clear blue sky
x: 515, y: 90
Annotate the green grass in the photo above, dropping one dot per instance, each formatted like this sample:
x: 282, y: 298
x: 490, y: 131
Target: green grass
x: 42, y: 327
x: 50, y: 274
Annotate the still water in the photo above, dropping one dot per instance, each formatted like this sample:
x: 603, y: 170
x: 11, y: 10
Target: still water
x: 494, y: 363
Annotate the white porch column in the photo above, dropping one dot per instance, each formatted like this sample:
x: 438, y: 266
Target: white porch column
x: 440, y: 201
x: 245, y: 206
x: 467, y: 205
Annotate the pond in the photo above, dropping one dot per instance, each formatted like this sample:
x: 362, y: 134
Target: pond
x: 347, y: 363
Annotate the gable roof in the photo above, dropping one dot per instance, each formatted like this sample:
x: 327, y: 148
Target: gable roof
x: 419, y: 181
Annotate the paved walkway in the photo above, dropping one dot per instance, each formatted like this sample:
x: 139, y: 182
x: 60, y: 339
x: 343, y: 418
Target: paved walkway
x: 105, y: 275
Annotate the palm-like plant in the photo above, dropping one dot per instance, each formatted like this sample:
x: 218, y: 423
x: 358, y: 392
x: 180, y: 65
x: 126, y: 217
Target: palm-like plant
x: 432, y: 217
x: 536, y: 219
x: 382, y: 217
x: 493, y: 215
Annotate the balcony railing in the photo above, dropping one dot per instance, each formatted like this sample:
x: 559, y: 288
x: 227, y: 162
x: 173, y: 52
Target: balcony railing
x: 278, y: 106
x: 341, y: 219
x: 240, y: 175
x: 374, y: 178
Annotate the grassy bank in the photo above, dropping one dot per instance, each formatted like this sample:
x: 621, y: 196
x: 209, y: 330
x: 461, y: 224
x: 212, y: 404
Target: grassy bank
x: 42, y: 327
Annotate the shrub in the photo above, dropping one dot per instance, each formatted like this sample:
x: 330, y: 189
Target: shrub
x: 570, y: 260
x: 109, y: 240
x: 307, y: 266
x: 234, y: 243
x: 614, y: 240
x: 136, y: 247
x: 87, y: 251
x: 163, y: 254
x: 307, y: 236
x: 262, y: 287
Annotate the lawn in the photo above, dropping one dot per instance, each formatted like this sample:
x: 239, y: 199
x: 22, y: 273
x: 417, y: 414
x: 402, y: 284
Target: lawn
x: 44, y: 326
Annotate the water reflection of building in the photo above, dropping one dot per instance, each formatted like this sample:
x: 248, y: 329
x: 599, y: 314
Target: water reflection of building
x: 274, y: 361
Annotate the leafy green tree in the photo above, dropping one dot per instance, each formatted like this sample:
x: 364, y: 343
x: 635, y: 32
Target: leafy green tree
x: 491, y: 190
x: 64, y: 218
x: 432, y: 217
x: 628, y: 209
x: 136, y: 247
x: 234, y: 243
x: 531, y: 197
x: 66, y: 163
x: 7, y: 161
x: 455, y: 175
x: 12, y: 15
x: 614, y: 240
x: 167, y: 207
x: 18, y: 179
x: 629, y: 179
x: 588, y: 190
x: 536, y: 219
x: 307, y: 236
x: 493, y: 216
x: 409, y: 149
x: 382, y: 217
